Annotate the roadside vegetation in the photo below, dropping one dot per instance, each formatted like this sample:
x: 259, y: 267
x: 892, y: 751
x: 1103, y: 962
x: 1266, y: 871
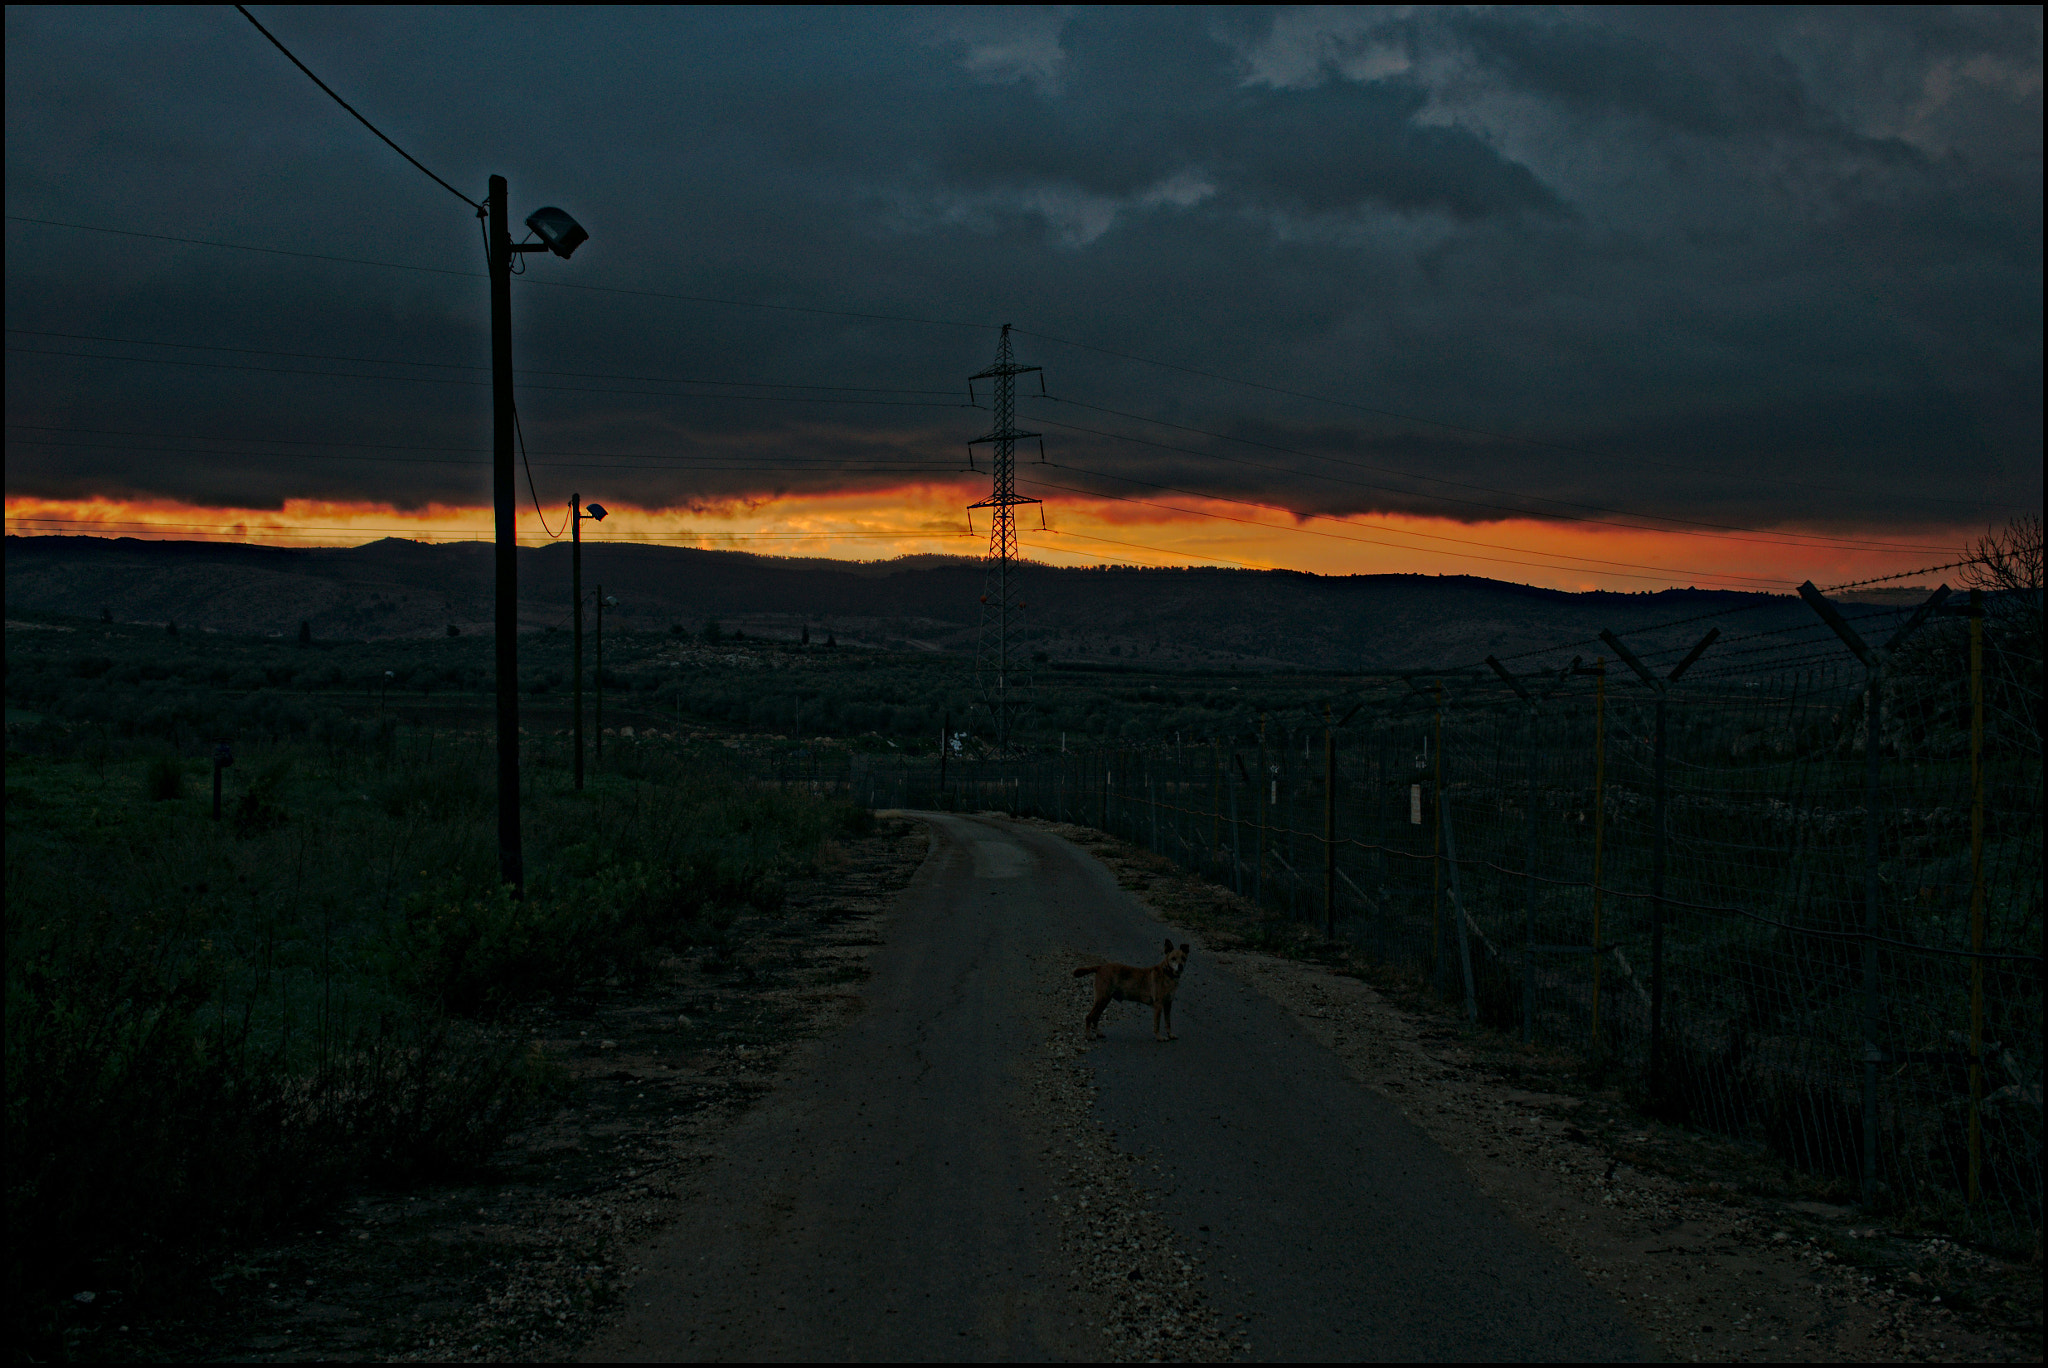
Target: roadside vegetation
x: 133, y: 679
x: 214, y: 1025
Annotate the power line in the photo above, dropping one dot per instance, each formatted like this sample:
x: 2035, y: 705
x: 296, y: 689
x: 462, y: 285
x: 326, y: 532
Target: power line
x: 246, y: 247
x: 1438, y: 423
x: 1140, y: 546
x: 958, y: 323
x: 529, y: 479
x: 1429, y: 536
x: 1805, y: 538
x: 458, y: 365
x: 1738, y: 608
x: 242, y: 529
x: 1719, y: 529
x: 1669, y: 576
x: 376, y: 446
x: 530, y: 280
x: 456, y: 380
x: 648, y: 464
x: 1664, y: 578
x: 359, y: 118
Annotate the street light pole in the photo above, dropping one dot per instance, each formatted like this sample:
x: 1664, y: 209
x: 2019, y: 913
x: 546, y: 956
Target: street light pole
x: 577, y: 513
x: 576, y: 596
x: 511, y: 869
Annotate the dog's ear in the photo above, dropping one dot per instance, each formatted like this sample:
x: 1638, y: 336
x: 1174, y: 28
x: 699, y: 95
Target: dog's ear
x: 1185, y: 949
x: 1169, y: 945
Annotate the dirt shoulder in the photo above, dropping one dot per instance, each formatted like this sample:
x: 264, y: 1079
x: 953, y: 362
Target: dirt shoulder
x: 1715, y: 1249
x: 519, y: 1262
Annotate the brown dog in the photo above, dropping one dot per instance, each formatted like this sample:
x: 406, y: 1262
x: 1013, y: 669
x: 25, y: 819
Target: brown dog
x: 1126, y: 983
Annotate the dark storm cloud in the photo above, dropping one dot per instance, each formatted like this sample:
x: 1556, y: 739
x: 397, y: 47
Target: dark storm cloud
x: 1740, y: 254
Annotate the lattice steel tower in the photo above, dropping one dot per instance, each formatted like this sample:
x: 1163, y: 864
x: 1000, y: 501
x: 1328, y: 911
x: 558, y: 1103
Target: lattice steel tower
x: 1001, y: 609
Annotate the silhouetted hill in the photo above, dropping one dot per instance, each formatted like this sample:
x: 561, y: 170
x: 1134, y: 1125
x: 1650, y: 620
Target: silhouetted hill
x: 1261, y: 619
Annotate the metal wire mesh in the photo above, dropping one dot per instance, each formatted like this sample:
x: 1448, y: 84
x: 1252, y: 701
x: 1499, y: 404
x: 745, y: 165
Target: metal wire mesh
x: 1849, y: 961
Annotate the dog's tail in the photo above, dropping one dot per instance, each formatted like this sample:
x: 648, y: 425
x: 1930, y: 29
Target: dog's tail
x: 1085, y: 970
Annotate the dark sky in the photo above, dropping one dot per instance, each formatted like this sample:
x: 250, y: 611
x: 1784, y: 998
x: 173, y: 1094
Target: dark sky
x: 1776, y: 267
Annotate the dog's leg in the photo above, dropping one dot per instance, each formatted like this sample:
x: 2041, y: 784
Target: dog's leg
x: 1093, y: 1029
x: 1167, y: 1007
x: 1157, y: 1009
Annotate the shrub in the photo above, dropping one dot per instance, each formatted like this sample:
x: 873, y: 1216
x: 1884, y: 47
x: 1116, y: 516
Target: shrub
x: 260, y: 807
x: 139, y: 1123
x: 166, y: 778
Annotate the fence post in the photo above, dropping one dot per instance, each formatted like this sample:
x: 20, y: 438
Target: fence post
x: 1528, y: 861
x: 1215, y: 803
x: 1329, y: 826
x: 1236, y: 836
x: 1102, y: 758
x: 1599, y: 824
x: 1656, y: 1076
x: 1657, y: 837
x: 1152, y: 797
x: 1259, y: 799
x: 1437, y: 963
x: 1872, y: 1053
x: 1529, y: 895
x: 1458, y: 918
x: 1976, y: 895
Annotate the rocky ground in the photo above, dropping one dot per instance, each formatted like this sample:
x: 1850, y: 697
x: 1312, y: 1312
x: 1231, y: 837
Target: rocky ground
x: 1715, y: 1249
x: 520, y: 1261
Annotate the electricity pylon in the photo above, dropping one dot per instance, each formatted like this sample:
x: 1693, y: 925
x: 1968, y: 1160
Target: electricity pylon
x: 1001, y: 609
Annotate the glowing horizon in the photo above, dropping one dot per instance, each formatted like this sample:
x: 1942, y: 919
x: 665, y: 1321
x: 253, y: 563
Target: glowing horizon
x: 931, y: 518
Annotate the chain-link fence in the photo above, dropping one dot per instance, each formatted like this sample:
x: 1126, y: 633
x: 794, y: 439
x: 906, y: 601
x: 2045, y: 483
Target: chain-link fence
x: 1794, y: 895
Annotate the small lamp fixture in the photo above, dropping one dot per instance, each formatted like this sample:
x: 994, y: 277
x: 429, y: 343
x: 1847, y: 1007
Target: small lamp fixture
x: 562, y: 234
x: 592, y: 510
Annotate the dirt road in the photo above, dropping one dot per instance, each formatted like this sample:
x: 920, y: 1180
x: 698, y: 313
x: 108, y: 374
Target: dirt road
x: 907, y: 1194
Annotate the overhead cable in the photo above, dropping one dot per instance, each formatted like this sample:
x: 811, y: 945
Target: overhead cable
x: 1662, y: 573
x: 1415, y: 418
x: 869, y: 315
x: 461, y: 365
x: 359, y: 118
x: 458, y: 380
x: 1719, y: 530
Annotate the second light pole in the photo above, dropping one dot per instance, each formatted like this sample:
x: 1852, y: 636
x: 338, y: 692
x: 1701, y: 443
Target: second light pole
x: 561, y: 235
x: 577, y: 513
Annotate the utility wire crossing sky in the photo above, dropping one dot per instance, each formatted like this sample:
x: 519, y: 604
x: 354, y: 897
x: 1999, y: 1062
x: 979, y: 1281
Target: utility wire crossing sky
x: 1619, y: 299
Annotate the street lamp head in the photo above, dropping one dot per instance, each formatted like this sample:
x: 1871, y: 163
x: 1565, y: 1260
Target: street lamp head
x: 611, y: 601
x: 562, y: 234
x: 594, y: 511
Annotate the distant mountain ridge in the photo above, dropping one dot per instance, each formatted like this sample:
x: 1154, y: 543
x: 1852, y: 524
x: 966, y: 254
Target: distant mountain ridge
x: 1260, y: 619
